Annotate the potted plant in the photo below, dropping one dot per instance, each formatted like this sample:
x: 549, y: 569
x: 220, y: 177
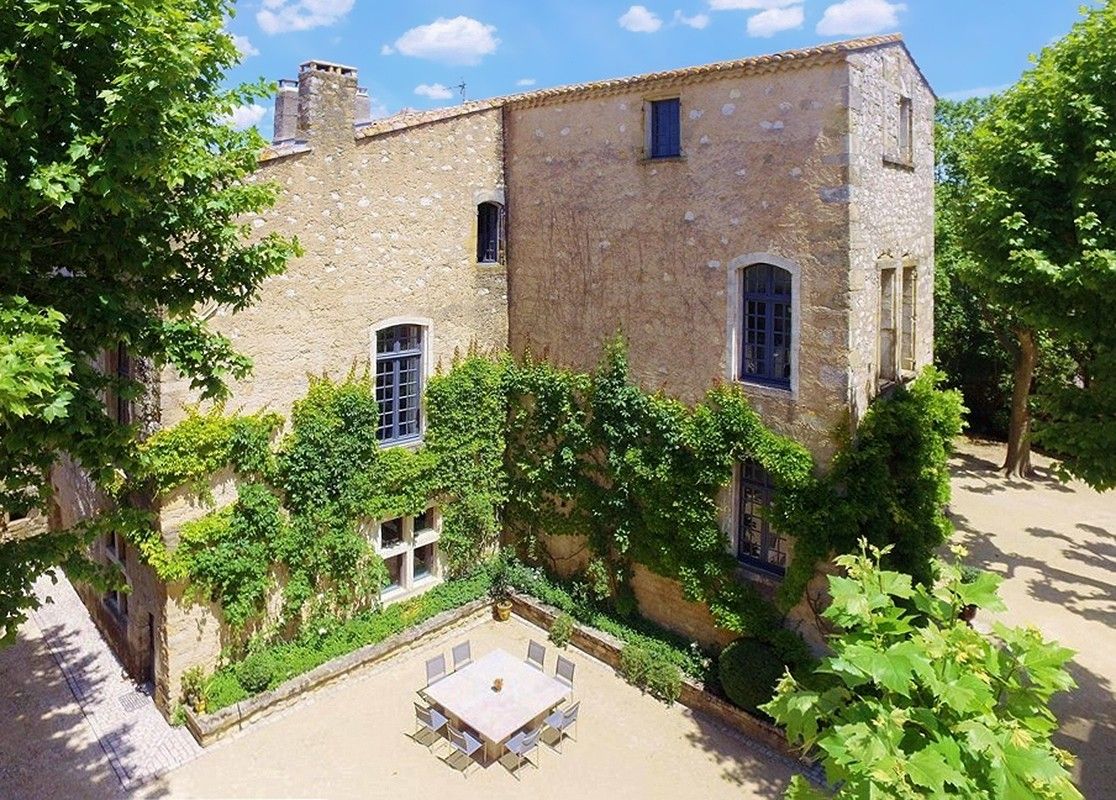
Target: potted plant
x: 500, y: 591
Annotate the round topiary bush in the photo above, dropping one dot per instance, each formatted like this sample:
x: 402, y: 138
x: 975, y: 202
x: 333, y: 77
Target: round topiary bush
x: 256, y: 671
x: 749, y: 670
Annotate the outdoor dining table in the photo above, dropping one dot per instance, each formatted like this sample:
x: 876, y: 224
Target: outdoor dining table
x: 527, y: 694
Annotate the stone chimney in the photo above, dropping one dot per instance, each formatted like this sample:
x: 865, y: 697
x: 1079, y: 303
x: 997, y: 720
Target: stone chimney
x: 362, y: 111
x: 286, y: 111
x: 321, y: 106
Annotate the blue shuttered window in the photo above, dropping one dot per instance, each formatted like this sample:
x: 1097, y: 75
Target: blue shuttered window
x: 666, y: 131
x: 758, y: 544
x: 766, y: 345
x: 399, y: 382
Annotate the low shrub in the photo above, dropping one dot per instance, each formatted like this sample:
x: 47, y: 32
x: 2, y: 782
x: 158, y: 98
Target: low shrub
x: 651, y: 671
x: 749, y: 669
x: 256, y: 672
x: 664, y: 681
x: 222, y: 690
x: 193, y: 689
x: 561, y: 629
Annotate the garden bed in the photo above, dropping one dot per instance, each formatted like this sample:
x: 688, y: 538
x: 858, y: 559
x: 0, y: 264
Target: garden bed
x: 207, y: 728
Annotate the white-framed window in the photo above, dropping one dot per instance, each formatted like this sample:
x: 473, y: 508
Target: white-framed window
x: 906, y: 130
x: 409, y: 547
x: 888, y: 350
x: 764, y: 295
x: 401, y: 353
x: 116, y: 600
x: 908, y: 318
x: 115, y: 547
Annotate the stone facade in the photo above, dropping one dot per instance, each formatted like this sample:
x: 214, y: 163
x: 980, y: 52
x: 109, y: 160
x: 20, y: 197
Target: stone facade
x: 799, y: 160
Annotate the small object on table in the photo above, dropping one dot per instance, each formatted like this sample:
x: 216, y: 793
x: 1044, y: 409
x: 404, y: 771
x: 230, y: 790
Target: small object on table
x: 497, y: 684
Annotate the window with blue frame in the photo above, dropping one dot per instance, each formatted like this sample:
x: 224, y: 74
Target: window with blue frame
x: 399, y: 382
x: 665, y: 129
x: 766, y: 335
x: 758, y: 545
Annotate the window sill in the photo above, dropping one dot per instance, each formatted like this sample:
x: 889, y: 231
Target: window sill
x: 661, y: 159
x: 412, y: 443
x: 899, y: 162
x: 490, y: 264
x: 767, y: 583
x: 426, y: 537
x: 766, y: 388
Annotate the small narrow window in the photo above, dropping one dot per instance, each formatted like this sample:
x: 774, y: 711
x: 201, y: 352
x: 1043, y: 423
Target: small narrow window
x: 758, y: 544
x: 907, y: 315
x: 117, y: 602
x: 766, y: 339
x: 887, y: 324
x: 114, y: 547
x: 905, y: 129
x: 664, y: 129
x: 490, y: 233
x: 399, y: 382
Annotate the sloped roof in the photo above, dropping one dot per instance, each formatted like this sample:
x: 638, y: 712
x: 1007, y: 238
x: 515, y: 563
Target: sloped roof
x: 788, y: 59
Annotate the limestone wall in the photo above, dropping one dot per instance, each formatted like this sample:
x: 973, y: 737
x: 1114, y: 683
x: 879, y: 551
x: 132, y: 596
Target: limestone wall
x: 892, y: 210
x: 601, y: 238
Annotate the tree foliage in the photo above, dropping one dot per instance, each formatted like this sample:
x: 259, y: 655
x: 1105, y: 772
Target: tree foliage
x: 1040, y: 226
x: 123, y: 199
x: 917, y: 704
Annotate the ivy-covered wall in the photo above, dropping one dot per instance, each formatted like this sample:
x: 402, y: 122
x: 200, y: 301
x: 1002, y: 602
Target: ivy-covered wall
x: 529, y: 451
x: 302, y: 496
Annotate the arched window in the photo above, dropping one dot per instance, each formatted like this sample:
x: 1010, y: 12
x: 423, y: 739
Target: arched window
x: 757, y: 543
x: 490, y: 233
x: 766, y: 336
x: 399, y: 368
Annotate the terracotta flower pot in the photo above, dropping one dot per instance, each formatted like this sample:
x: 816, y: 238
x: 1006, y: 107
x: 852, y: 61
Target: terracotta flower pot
x: 503, y: 610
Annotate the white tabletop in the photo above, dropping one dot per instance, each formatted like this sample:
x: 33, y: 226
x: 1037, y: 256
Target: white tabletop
x: 527, y: 692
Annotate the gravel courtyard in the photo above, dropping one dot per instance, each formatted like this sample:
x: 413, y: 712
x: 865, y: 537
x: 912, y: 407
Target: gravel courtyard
x: 1055, y: 545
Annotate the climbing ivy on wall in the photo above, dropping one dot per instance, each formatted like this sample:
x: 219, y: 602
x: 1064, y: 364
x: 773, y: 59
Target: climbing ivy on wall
x: 301, y: 501
x: 528, y: 448
x: 639, y: 475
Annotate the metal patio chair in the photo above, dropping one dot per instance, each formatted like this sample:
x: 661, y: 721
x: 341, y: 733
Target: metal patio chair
x: 462, y: 655
x: 564, y: 672
x: 431, y: 721
x: 521, y: 746
x: 562, y: 720
x: 536, y: 654
x: 463, y: 745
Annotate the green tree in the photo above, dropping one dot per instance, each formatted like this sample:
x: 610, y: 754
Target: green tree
x: 123, y: 195
x: 914, y: 703
x: 1040, y: 227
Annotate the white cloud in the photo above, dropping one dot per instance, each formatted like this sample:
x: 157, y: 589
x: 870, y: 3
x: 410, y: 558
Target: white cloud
x: 698, y: 21
x: 526, y: 82
x: 435, y: 91
x: 281, y: 16
x: 858, y: 17
x: 750, y: 5
x: 244, y: 45
x: 387, y: 50
x: 770, y: 22
x: 638, y: 19
x: 246, y: 116
x: 979, y: 91
x: 461, y: 40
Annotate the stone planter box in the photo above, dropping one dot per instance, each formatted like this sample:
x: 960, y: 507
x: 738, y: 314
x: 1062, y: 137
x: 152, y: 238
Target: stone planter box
x: 606, y: 648
x: 208, y: 728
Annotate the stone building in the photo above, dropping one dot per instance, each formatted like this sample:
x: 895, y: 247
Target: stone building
x: 767, y: 221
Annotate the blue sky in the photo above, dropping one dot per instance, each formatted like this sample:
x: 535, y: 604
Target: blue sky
x: 413, y: 54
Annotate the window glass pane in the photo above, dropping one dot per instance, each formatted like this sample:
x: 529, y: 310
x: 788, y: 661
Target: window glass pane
x: 398, y: 381
x: 391, y: 532
x: 766, y: 337
x: 424, y: 561
x: 395, y: 571
x: 425, y: 520
x: 488, y: 233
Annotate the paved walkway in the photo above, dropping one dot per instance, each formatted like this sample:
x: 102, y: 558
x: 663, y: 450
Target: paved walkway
x: 75, y: 725
x: 1055, y: 545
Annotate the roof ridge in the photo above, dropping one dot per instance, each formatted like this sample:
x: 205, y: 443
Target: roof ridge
x: 783, y: 59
